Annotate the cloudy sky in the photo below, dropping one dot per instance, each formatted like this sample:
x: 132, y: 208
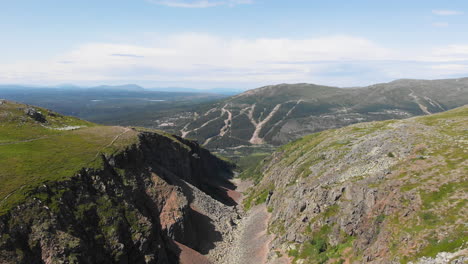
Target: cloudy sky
x: 238, y: 44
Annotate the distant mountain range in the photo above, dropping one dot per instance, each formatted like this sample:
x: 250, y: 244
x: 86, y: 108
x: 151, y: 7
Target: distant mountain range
x: 125, y: 104
x: 277, y: 114
x: 130, y: 87
x: 270, y: 115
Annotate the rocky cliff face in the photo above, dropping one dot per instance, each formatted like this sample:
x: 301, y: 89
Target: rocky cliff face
x: 158, y: 201
x: 381, y: 192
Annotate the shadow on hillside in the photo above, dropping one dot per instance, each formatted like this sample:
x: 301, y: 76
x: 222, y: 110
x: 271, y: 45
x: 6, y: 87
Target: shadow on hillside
x: 204, y: 231
x: 223, y: 191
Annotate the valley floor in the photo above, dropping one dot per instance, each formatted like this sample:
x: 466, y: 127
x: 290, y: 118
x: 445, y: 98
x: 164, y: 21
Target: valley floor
x: 250, y: 239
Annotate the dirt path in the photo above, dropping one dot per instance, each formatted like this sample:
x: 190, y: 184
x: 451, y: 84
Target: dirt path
x: 23, y: 141
x: 126, y: 129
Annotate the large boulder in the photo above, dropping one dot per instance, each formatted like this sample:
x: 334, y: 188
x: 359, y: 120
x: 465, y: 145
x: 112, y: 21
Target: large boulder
x: 34, y: 114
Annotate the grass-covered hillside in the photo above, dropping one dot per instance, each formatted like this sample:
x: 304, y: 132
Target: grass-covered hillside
x: 76, y: 192
x: 38, y: 145
x: 384, y: 192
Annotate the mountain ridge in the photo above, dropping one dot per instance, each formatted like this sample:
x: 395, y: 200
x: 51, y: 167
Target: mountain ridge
x: 77, y: 192
x: 294, y: 110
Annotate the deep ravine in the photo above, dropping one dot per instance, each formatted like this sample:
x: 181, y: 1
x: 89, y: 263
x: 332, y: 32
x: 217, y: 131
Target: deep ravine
x: 251, y: 240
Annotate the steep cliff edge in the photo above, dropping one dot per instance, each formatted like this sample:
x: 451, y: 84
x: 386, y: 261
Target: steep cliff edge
x: 75, y: 192
x: 380, y: 192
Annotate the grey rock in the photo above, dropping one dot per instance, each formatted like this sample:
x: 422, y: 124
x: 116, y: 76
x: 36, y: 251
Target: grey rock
x: 34, y: 114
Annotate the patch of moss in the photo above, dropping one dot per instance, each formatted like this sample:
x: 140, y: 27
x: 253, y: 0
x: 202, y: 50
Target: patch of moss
x: 431, y: 198
x: 331, y: 211
x: 319, y: 250
x: 453, y: 242
x: 409, y: 186
x: 257, y: 198
x: 277, y: 227
x: 278, y: 254
x: 380, y: 218
x: 251, y: 161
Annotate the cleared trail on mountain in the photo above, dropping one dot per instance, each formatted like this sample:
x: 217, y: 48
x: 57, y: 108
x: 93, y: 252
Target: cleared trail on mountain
x: 418, y: 102
x: 227, y: 122
x: 185, y: 132
x: 256, y: 139
x: 284, y: 117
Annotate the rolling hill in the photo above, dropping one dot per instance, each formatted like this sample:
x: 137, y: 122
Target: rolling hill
x: 277, y: 114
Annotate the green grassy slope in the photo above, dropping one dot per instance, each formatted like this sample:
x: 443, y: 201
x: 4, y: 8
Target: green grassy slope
x: 32, y: 152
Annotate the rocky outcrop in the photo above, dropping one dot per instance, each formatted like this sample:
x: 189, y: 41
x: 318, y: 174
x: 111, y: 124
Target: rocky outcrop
x: 382, y: 192
x: 36, y: 115
x: 148, y: 204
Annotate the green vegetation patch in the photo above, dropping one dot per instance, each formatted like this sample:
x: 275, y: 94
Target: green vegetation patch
x: 451, y: 243
x: 429, y: 199
x: 32, y: 153
x: 257, y: 197
x: 251, y: 161
x: 319, y: 250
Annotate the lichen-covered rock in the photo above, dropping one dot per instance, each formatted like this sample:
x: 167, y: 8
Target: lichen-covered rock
x: 380, y: 192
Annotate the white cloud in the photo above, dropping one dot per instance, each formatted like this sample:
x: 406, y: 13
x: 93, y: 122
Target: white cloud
x: 446, y: 12
x: 199, y: 3
x: 450, y: 53
x: 440, y: 24
x: 207, y: 61
x: 450, y: 69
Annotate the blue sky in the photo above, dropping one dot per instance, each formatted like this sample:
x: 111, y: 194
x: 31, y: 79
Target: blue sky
x: 237, y: 44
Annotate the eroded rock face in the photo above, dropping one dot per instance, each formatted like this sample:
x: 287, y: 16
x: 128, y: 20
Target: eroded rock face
x: 136, y: 209
x: 380, y: 192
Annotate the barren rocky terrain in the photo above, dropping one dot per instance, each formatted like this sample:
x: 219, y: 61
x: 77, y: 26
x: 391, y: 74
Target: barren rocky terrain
x: 379, y: 192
